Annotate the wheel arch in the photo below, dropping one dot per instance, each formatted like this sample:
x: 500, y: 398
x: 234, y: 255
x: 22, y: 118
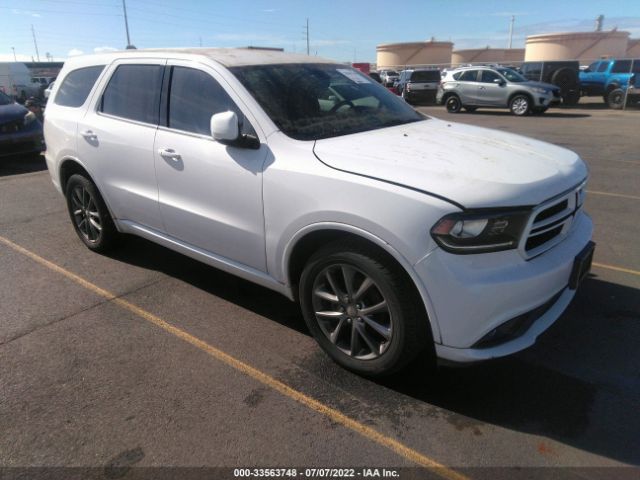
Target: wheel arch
x: 521, y: 92
x: 309, y: 239
x: 70, y: 166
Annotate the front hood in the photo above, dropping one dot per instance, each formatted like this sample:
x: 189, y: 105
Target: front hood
x: 12, y: 112
x: 548, y: 86
x: 471, y: 166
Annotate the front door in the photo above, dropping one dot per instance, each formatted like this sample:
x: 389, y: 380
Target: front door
x: 210, y: 193
x: 491, y: 93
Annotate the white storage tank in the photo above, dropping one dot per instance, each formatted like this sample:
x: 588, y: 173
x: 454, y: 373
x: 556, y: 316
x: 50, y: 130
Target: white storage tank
x: 399, y: 55
x: 633, y: 48
x: 487, y: 55
x: 582, y: 46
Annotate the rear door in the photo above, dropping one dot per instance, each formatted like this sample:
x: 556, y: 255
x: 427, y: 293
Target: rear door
x: 116, y: 135
x: 210, y: 193
x: 467, y: 87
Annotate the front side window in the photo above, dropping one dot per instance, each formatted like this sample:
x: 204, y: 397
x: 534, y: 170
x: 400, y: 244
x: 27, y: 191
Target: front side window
x: 593, y: 67
x: 603, y: 66
x: 75, y: 87
x: 134, y: 93
x: 196, y: 96
x: 311, y: 101
x: 488, y: 76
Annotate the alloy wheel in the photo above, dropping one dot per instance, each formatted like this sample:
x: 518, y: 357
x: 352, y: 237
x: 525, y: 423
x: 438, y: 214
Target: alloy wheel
x: 85, y: 214
x: 352, y: 311
x: 520, y: 106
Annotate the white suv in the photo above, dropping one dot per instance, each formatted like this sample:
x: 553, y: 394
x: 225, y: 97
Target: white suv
x: 398, y: 233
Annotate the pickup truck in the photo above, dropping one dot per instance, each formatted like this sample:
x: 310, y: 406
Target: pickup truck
x: 603, y: 77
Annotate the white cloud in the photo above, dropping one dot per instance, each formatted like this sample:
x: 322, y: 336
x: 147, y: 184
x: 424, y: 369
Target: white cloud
x: 104, y: 49
x: 74, y: 52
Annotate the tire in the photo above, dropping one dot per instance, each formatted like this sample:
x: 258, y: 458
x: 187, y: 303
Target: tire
x: 387, y: 339
x: 453, y: 104
x: 615, y: 99
x: 571, y: 98
x: 403, y: 94
x: 470, y: 109
x: 520, y: 105
x: 89, y: 215
x: 567, y: 79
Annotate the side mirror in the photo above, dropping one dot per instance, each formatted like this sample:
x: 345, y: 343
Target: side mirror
x: 225, y: 127
x: 499, y: 81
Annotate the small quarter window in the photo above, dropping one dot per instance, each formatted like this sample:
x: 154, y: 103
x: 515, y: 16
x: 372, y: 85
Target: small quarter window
x: 134, y: 93
x: 75, y: 87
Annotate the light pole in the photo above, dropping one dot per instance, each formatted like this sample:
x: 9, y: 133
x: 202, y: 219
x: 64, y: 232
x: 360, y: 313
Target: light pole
x: 14, y: 54
x: 126, y: 25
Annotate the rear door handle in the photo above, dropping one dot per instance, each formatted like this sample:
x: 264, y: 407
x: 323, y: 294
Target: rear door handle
x: 169, y: 154
x: 89, y: 135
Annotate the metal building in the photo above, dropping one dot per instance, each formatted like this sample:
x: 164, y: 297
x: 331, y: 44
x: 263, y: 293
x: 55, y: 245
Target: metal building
x: 397, y: 55
x: 487, y: 55
x: 582, y: 46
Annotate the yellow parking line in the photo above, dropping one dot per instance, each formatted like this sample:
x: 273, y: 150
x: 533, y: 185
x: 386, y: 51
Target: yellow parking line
x: 319, y: 407
x: 595, y: 192
x: 617, y: 269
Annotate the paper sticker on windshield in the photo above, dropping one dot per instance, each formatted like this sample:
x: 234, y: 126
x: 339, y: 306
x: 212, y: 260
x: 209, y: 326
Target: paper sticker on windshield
x: 353, y: 76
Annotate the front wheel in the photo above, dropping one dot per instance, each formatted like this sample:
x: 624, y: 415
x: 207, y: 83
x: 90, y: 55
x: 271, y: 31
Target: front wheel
x: 363, y: 310
x: 520, y: 105
x: 89, y: 214
x: 453, y: 104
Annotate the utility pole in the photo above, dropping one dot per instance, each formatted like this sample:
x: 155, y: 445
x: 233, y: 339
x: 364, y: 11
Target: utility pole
x: 126, y: 24
x: 14, y: 54
x: 513, y: 19
x: 35, y: 42
x: 307, y: 32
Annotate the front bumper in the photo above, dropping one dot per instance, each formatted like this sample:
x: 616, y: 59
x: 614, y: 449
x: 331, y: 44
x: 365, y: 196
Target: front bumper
x: 473, y: 294
x: 547, y: 100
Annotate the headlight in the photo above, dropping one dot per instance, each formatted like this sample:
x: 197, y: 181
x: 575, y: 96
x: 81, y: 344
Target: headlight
x: 29, y: 117
x: 480, y: 231
x: 541, y: 90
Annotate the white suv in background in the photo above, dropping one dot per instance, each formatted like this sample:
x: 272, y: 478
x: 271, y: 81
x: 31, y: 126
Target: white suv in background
x: 398, y: 233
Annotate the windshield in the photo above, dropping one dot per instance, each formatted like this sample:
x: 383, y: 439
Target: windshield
x: 512, y: 75
x: 311, y: 101
x: 5, y: 99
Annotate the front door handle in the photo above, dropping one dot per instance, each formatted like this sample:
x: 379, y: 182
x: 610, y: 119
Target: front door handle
x: 169, y: 154
x: 482, y: 88
x: 89, y: 135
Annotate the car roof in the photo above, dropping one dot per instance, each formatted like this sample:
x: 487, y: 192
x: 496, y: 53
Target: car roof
x: 229, y: 57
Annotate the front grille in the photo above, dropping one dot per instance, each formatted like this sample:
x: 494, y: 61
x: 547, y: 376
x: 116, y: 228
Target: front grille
x: 12, y: 127
x: 552, y: 221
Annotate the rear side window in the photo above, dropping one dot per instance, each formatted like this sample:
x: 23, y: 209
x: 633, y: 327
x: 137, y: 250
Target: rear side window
x: 603, y: 66
x: 195, y: 96
x: 621, y: 66
x: 532, y: 70
x: 468, y: 76
x: 134, y: 93
x: 75, y: 87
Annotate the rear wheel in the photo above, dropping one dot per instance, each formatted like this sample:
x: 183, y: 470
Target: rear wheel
x: 89, y: 214
x: 363, y: 310
x: 520, y: 105
x: 572, y: 97
x: 453, y: 104
x: 615, y: 99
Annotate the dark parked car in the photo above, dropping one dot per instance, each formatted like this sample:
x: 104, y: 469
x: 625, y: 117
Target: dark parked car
x: 418, y: 85
x: 563, y: 74
x: 375, y: 76
x: 20, y: 129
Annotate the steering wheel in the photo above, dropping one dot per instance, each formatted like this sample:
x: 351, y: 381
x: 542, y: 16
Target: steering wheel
x: 341, y: 104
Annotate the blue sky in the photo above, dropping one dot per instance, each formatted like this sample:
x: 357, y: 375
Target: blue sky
x: 339, y: 29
